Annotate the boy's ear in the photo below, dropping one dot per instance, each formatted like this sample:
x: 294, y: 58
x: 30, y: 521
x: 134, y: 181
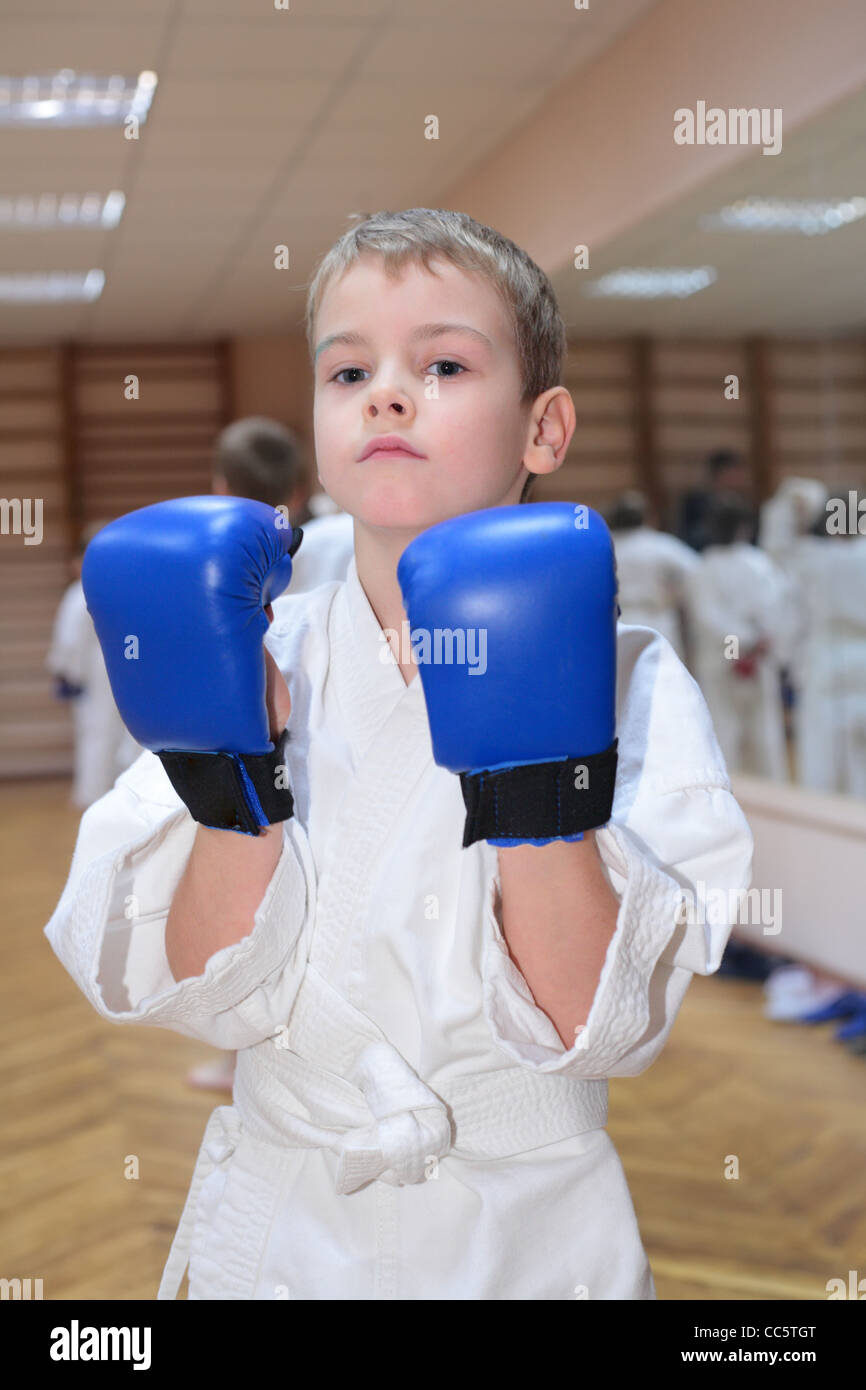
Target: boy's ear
x: 551, y: 425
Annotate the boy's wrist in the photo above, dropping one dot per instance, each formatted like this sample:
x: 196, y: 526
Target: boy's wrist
x: 539, y: 802
x: 243, y: 792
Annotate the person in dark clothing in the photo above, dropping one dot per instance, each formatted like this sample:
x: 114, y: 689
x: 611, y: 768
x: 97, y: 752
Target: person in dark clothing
x: 726, y: 473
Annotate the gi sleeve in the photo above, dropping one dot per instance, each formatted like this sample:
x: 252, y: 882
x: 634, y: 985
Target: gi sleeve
x: 108, y: 929
x: 677, y: 853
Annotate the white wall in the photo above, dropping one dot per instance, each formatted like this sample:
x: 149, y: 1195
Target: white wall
x: 812, y: 847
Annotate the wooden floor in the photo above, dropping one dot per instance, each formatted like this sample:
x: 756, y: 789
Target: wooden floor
x: 78, y: 1097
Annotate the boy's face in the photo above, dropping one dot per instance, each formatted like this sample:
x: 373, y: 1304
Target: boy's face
x: 453, y: 396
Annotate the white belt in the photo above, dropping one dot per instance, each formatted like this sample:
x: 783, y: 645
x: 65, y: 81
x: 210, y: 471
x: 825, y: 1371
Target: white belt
x: 380, y: 1119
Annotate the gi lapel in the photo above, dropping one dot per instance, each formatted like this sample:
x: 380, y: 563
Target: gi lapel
x: 387, y: 726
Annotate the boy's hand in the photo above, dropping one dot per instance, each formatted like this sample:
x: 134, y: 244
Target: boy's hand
x: 279, y: 701
x: 526, y: 716
x: 178, y: 593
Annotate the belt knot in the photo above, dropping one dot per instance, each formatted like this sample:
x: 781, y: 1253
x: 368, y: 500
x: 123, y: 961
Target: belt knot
x: 411, y: 1124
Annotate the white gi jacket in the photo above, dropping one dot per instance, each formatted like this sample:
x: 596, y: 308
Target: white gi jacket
x: 653, y: 572
x: 104, y: 747
x: 325, y: 553
x: 738, y: 591
x: 406, y: 1123
x: 830, y: 717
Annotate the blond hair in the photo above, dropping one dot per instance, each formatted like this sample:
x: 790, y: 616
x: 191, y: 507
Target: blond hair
x: 420, y: 234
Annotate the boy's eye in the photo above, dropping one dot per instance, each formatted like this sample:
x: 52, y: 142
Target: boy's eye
x: 447, y: 361
x: 440, y: 361
x: 337, y: 375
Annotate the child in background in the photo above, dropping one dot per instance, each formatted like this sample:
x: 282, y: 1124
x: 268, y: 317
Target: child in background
x: 653, y: 570
x: 103, y: 746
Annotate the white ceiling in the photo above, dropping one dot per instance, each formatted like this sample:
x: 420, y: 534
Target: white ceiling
x: 267, y: 127
x: 779, y: 283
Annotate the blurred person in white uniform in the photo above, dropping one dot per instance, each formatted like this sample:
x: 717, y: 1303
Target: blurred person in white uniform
x: 790, y: 514
x: 785, y: 519
x: 830, y: 714
x: 104, y: 748
x: 742, y: 627
x: 653, y: 570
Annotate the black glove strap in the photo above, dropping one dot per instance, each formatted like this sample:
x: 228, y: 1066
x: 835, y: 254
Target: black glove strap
x: 233, y: 791
x: 539, y: 801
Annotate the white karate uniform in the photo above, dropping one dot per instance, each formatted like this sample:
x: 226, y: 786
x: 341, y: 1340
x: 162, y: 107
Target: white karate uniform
x: 830, y: 715
x: 785, y: 518
x: 325, y: 552
x: 104, y: 747
x: 737, y: 591
x: 795, y: 505
x: 653, y: 571
x: 406, y: 1122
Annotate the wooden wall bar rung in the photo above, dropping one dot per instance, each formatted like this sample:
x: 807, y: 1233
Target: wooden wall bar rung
x: 136, y: 414
x: 87, y: 352
x: 23, y: 436
x: 852, y: 455
x: 815, y: 385
x: 191, y: 372
x: 577, y: 380
x: 141, y: 439
x: 18, y: 393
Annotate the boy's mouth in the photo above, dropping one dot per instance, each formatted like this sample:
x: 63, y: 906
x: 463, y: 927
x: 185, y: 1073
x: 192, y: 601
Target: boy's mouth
x: 389, y: 446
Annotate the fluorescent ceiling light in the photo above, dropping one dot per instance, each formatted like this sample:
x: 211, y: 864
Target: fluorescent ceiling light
x: 28, y: 213
x: 48, y: 287
x: 634, y: 282
x: 810, y: 217
x: 67, y: 98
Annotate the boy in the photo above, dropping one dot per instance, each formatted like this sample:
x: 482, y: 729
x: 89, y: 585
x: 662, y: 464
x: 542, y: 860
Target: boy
x: 424, y: 1031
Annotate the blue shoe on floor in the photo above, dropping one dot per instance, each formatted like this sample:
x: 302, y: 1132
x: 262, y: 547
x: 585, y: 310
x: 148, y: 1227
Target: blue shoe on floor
x: 845, y: 1006
x: 855, y: 1028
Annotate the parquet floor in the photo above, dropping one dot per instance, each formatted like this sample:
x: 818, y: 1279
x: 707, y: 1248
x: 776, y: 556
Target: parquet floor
x: 79, y: 1098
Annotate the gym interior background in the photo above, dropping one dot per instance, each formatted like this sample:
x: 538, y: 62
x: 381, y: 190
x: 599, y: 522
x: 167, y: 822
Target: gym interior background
x: 175, y: 250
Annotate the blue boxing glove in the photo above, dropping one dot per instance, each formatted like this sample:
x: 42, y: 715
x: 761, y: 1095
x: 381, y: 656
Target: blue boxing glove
x: 177, y: 593
x: 512, y: 614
